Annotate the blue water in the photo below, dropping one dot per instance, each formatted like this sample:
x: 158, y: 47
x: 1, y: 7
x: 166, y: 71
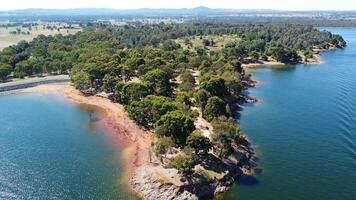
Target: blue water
x: 304, y: 131
x: 52, y: 149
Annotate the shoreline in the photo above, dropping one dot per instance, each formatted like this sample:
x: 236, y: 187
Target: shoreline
x: 142, y: 171
x: 316, y: 60
x: 133, y: 142
x: 143, y: 174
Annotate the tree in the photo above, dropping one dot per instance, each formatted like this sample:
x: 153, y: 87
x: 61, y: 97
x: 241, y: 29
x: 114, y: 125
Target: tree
x: 175, y: 124
x: 133, y: 92
x: 225, y: 133
x: 162, y: 145
x: 170, y: 45
x: 199, y: 142
x: 214, y: 108
x: 5, y: 71
x: 158, y: 80
x: 81, y: 80
x: 215, y: 86
x: 233, y: 86
x: 202, y: 97
x: 127, y: 72
x: 150, y: 109
x: 22, y: 69
x: 201, y: 51
x: 187, y: 81
x: 183, y: 163
x: 110, y: 82
x: 283, y: 54
x: 338, y: 41
x: 206, y: 42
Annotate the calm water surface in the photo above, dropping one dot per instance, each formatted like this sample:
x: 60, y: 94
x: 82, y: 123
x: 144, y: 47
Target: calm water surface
x: 304, y: 130
x: 52, y: 149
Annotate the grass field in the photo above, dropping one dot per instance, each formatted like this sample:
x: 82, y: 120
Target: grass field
x: 219, y: 40
x: 7, y: 39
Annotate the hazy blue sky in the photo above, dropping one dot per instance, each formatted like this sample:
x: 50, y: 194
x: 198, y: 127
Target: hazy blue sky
x: 129, y: 4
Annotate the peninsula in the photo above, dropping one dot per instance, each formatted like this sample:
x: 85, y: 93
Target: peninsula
x: 172, y: 90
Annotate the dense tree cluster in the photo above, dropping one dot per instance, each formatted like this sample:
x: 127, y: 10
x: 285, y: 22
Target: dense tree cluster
x: 59, y: 54
x: 164, y: 86
x: 295, y: 36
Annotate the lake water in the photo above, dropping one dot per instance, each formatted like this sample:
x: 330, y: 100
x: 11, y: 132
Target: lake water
x: 53, y: 149
x: 304, y: 131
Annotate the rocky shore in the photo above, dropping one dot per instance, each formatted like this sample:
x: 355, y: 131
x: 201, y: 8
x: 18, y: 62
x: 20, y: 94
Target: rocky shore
x: 156, y: 182
x: 151, y: 182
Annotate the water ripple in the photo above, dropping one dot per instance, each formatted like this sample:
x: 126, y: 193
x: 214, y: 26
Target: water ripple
x: 346, y: 111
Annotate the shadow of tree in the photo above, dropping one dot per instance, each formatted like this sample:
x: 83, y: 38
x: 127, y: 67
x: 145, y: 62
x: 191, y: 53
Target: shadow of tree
x: 213, y: 163
x: 247, y: 180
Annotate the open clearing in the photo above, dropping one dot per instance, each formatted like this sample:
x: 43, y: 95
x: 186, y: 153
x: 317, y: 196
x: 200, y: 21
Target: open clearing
x: 197, y: 42
x: 7, y: 39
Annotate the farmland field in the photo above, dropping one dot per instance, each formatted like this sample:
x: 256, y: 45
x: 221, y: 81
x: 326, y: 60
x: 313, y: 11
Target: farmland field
x: 7, y: 39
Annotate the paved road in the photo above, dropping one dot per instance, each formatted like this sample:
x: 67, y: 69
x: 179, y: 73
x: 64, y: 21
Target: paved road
x: 32, y: 82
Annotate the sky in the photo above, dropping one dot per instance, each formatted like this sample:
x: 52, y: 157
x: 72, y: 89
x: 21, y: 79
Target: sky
x: 132, y: 4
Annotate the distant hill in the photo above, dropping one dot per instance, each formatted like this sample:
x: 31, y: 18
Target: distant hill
x: 317, y: 18
x: 152, y: 12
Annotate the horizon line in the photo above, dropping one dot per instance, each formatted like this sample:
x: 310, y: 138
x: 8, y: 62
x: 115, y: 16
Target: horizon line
x: 177, y: 8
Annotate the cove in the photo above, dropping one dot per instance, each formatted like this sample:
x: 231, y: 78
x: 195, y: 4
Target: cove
x: 304, y: 131
x: 52, y: 149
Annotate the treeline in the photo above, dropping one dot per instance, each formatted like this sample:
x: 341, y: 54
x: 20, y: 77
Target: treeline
x: 293, y: 36
x: 54, y: 54
x: 58, y: 54
x: 283, y: 43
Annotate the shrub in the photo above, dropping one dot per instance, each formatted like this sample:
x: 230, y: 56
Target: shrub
x: 199, y: 142
x: 183, y: 163
x: 162, y: 145
x: 214, y: 108
x: 225, y: 133
x: 202, y: 97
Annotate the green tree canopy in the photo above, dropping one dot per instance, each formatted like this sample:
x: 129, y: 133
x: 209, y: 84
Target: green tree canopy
x: 202, y: 97
x: 162, y: 145
x: 150, y: 109
x: 81, y: 80
x: 215, y: 86
x: 5, y: 71
x: 187, y: 81
x: 159, y: 81
x: 132, y: 92
x: 214, y: 108
x: 175, y: 124
x: 226, y: 132
x: 199, y: 142
x: 183, y: 163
